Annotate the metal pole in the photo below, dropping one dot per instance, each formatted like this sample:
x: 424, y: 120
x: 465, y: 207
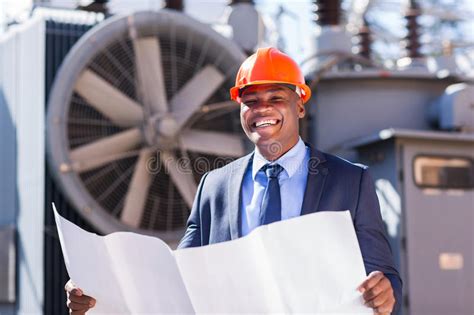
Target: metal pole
x: 412, y: 40
x: 365, y: 40
x: 327, y: 12
x: 177, y: 5
x: 232, y: 2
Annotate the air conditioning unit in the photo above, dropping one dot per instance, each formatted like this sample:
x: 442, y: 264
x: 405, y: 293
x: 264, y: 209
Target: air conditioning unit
x: 454, y: 109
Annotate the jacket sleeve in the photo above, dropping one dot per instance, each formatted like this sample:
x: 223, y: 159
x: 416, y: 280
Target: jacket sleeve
x: 372, y: 237
x: 192, y: 236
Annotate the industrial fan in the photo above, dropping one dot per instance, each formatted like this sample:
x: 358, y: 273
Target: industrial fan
x: 138, y: 112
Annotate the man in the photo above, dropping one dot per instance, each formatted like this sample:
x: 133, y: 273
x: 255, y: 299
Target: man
x: 284, y: 178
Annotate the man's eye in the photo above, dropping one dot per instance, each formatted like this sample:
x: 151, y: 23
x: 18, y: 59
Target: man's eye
x: 276, y: 99
x: 249, y: 102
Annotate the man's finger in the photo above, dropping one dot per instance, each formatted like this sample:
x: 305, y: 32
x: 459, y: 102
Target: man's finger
x: 76, y: 306
x: 388, y: 305
x: 372, y: 279
x: 71, y: 288
x: 382, y: 286
x: 379, y: 299
x: 92, y: 302
x: 77, y: 292
x: 83, y: 299
x: 372, y: 293
x: 387, y: 308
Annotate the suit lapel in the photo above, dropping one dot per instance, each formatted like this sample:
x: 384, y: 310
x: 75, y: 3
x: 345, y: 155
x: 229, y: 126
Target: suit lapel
x: 235, y: 190
x: 317, y: 173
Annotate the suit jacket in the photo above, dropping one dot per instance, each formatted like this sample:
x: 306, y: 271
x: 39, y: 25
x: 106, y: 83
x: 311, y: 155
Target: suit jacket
x: 332, y: 184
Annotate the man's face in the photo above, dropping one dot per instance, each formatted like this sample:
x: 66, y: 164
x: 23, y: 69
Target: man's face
x: 270, y: 113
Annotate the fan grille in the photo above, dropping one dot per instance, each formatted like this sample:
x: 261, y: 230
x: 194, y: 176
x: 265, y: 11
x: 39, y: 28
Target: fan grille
x: 182, y: 58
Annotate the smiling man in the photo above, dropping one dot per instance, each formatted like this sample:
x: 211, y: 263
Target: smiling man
x: 284, y: 178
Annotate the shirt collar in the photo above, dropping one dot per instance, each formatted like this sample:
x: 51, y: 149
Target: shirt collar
x: 290, y: 161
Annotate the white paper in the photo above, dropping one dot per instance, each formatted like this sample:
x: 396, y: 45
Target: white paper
x: 310, y: 264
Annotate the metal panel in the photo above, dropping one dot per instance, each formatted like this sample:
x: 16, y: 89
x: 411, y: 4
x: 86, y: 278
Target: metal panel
x: 7, y: 264
x: 381, y: 158
x: 348, y: 108
x: 8, y: 144
x: 8, y: 99
x: 30, y: 168
x: 61, y: 35
x: 22, y: 87
x: 439, y: 226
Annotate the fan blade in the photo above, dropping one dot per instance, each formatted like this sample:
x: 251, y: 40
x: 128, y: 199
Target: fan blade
x: 90, y: 164
x: 109, y: 101
x: 150, y: 73
x: 211, y: 142
x: 135, y: 199
x: 182, y: 177
x: 227, y: 105
x: 194, y: 93
x: 112, y: 145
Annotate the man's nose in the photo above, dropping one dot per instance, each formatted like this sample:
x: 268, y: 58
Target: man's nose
x: 261, y: 106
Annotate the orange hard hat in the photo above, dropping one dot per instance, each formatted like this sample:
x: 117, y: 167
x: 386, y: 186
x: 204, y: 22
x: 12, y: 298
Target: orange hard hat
x: 269, y: 66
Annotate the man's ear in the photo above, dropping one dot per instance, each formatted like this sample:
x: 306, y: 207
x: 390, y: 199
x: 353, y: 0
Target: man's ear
x: 301, y: 109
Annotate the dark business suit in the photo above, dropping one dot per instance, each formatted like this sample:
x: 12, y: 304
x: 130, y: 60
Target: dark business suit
x: 332, y: 184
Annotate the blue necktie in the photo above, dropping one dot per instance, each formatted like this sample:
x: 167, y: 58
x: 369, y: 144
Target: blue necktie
x: 271, y: 203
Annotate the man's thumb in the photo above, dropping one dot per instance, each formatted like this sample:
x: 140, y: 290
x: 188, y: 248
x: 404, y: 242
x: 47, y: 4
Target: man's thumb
x: 72, y: 289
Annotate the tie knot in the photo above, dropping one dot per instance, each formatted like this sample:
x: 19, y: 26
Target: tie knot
x: 272, y: 171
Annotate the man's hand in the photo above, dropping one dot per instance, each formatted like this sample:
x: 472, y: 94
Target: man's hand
x: 378, y: 293
x: 77, y: 302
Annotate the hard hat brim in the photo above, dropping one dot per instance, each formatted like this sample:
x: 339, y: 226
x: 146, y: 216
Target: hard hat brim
x: 234, y: 92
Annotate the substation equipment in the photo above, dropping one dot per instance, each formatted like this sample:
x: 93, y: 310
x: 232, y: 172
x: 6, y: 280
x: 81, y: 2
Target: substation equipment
x: 138, y: 110
x: 414, y: 128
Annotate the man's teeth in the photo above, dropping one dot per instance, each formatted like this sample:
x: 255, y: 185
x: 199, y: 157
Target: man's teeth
x: 268, y: 122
